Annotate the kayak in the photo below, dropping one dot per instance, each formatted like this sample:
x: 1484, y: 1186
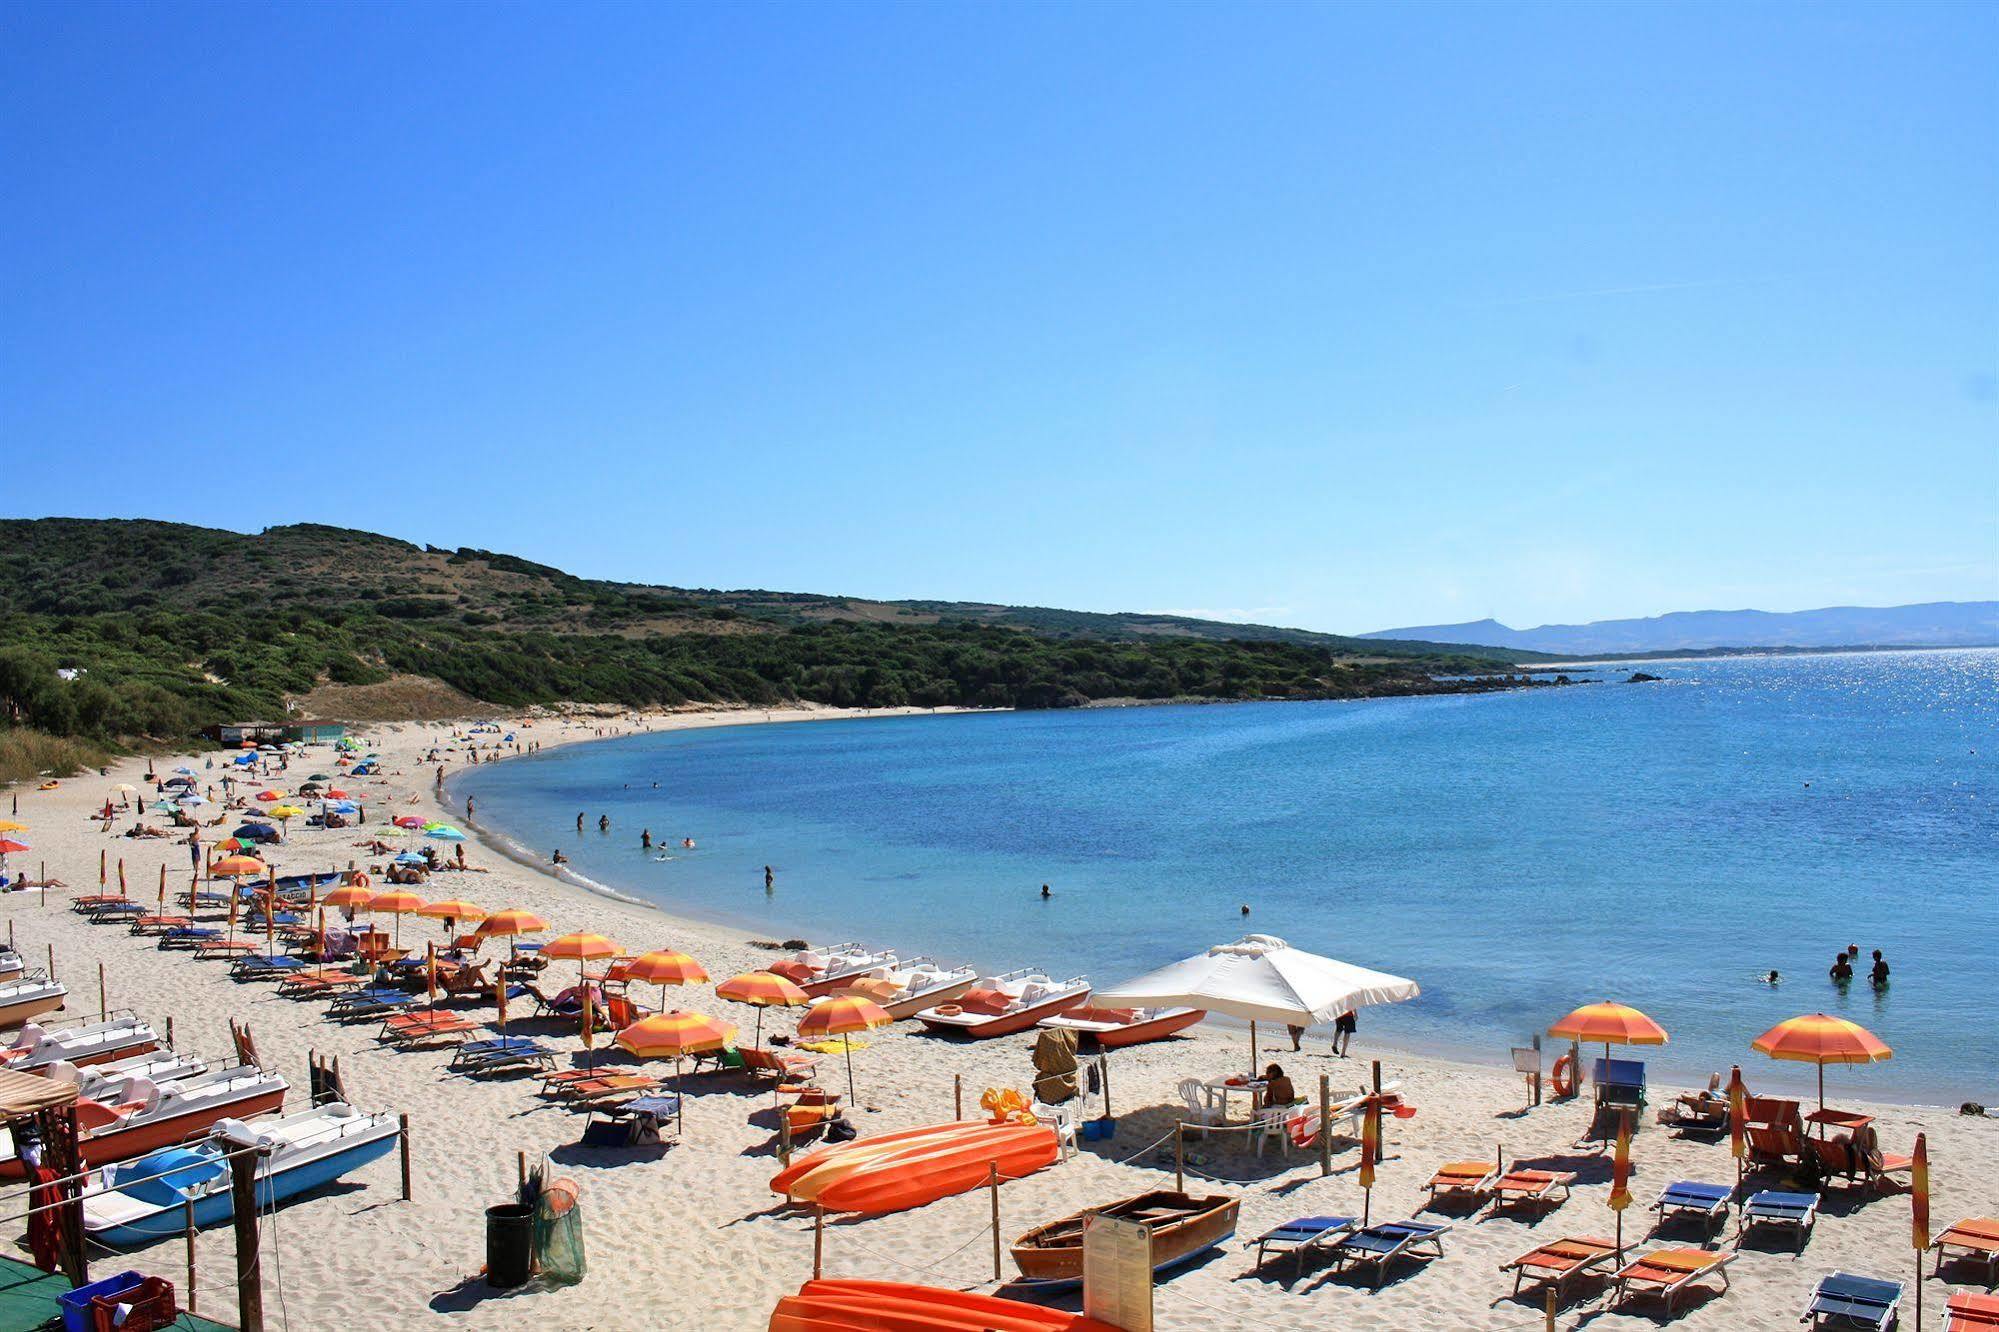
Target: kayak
x: 920, y: 1167
x: 892, y: 1306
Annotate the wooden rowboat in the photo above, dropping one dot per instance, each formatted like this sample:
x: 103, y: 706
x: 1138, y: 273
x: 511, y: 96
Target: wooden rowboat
x: 1183, y: 1227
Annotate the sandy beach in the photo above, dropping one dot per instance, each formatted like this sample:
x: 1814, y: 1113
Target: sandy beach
x: 692, y: 1238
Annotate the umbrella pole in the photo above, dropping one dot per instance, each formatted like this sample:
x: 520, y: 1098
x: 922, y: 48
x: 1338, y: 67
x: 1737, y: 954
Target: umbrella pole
x: 1252, y: 1048
x: 847, y: 1042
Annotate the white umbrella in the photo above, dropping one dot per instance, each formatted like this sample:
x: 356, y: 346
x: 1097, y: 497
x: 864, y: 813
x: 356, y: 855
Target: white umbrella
x: 1261, y: 978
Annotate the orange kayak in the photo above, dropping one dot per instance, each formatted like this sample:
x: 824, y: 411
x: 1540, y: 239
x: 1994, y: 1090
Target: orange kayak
x: 919, y: 1168
x: 891, y: 1306
x: 861, y: 1148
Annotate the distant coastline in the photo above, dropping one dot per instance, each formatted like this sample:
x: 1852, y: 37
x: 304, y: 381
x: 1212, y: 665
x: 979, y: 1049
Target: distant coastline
x: 1710, y: 654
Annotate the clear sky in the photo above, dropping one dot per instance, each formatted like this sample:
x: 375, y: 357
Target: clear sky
x: 1343, y: 316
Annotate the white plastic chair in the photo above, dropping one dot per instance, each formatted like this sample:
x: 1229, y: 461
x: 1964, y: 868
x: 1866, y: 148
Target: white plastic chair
x: 1199, y: 1109
x: 1271, y: 1123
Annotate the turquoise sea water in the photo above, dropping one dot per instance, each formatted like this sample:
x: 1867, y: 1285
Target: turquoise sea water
x: 1518, y: 854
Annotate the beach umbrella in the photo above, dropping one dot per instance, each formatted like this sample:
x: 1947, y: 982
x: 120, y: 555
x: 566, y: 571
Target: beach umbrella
x: 762, y: 989
x: 191, y: 800
x: 584, y: 948
x: 664, y: 967
x: 1738, y: 1121
x: 410, y: 858
x: 350, y: 897
x: 285, y: 812
x: 10, y: 847
x: 270, y: 797
x: 397, y: 902
x: 407, y: 821
x: 1370, y: 1152
x: 1261, y: 978
x: 1820, y: 1038
x: 337, y: 794
x: 1919, y: 1212
x: 842, y: 1015
x: 444, y: 834
x: 675, y: 1036
x: 10, y: 826
x: 236, y: 867
x: 453, y: 909
x: 1620, y: 1176
x: 512, y: 921
x: 1613, y: 1024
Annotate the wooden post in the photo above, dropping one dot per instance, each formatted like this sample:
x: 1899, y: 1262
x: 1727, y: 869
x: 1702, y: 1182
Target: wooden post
x: 957, y: 1096
x: 1325, y: 1124
x: 993, y: 1181
x: 101, y: 1005
x: 249, y: 1273
x: 187, y: 1226
x: 1537, y: 1075
x: 1551, y: 1309
x: 52, y: 957
x: 521, y: 1159
x: 818, y: 1241
x: 404, y: 1137
x: 170, y: 1031
x: 783, y: 1135
x: 1252, y: 1049
x: 1179, y: 1158
x: 1104, y: 1063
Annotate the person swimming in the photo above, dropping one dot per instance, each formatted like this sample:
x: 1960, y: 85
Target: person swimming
x: 1772, y: 978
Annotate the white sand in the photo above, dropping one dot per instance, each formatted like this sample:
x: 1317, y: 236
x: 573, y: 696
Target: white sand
x: 692, y: 1240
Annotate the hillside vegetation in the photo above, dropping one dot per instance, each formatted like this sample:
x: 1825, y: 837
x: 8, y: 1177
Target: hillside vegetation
x: 174, y: 627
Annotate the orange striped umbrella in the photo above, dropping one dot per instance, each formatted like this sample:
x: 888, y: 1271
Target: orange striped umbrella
x: 236, y: 867
x: 512, y: 921
x: 1620, y: 1175
x: 397, y: 902
x: 452, y: 909
x: 351, y: 896
x: 1820, y: 1038
x: 1919, y: 1196
x: 584, y: 948
x: 1613, y: 1024
x: 842, y: 1015
x: 675, y: 1035
x: 664, y: 967
x: 763, y: 989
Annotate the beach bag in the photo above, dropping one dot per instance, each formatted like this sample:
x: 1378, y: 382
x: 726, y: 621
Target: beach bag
x: 558, y: 1234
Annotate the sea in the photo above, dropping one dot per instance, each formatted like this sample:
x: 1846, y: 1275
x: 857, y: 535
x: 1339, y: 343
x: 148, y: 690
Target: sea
x: 1667, y: 844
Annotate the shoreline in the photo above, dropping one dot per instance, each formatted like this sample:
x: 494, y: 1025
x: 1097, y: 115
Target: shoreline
x: 662, y: 1223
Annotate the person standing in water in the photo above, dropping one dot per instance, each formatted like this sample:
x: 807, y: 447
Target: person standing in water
x: 1879, y: 974
x: 770, y: 879
x: 645, y: 839
x: 579, y: 821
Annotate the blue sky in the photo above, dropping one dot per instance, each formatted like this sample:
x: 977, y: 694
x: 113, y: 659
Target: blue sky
x: 1344, y: 317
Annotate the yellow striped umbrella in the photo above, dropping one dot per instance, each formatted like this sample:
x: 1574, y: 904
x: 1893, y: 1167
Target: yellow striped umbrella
x: 350, y: 896
x: 763, y: 989
x: 842, y: 1015
x: 584, y: 948
x: 1613, y: 1024
x: 1620, y: 1175
x: 1820, y: 1038
x: 664, y: 967
x: 452, y: 909
x: 510, y: 922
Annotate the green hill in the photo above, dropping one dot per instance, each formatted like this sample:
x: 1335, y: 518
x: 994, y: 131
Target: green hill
x: 173, y: 627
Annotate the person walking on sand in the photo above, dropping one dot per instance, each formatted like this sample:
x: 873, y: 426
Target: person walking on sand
x: 1343, y: 1030
x: 1297, y: 1037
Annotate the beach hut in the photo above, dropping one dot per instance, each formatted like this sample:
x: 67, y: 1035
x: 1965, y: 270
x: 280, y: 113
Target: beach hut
x: 1261, y: 978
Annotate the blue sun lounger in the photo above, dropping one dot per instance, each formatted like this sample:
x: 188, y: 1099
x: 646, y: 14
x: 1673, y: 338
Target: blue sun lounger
x: 477, y: 1058
x: 371, y: 1002
x: 187, y: 936
x: 262, y: 966
x: 1300, y: 1237
x: 1799, y: 1211
x: 1845, y: 1300
x: 1380, y: 1245
x: 1709, y: 1202
x: 1620, y: 1083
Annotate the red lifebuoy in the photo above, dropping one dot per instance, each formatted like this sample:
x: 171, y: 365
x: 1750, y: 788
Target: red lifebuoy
x: 359, y: 880
x: 1564, y: 1077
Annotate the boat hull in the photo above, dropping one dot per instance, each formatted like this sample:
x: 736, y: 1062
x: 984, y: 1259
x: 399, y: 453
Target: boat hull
x: 99, y: 1149
x: 1053, y: 1254
x: 1133, y: 1033
x: 921, y: 1168
x: 892, y: 1306
x: 910, y: 1007
x: 217, y: 1207
x: 21, y: 1010
x: 980, y: 1027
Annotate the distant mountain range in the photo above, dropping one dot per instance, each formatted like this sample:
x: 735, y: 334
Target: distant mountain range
x: 1932, y: 624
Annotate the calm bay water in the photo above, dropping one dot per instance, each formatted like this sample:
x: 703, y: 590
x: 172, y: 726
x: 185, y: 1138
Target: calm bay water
x: 1518, y: 854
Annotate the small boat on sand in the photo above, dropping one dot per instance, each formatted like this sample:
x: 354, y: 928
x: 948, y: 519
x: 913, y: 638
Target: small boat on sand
x: 138, y: 1115
x: 906, y: 990
x: 10, y: 963
x: 1113, y: 1027
x: 892, y: 1172
x: 1184, y: 1226
x: 138, y: 1202
x: 28, y: 997
x: 36, y: 1047
x: 99, y: 1082
x: 824, y: 969
x: 1002, y: 1005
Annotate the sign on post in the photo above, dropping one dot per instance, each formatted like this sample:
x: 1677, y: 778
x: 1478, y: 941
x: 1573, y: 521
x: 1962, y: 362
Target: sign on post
x: 1117, y: 1272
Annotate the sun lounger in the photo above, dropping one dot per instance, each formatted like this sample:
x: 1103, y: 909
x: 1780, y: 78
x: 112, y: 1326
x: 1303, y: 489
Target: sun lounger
x: 1380, y: 1245
x: 1300, y: 1237
x: 319, y: 984
x: 787, y: 1067
x: 1707, y: 1201
x: 1538, y: 1187
x: 604, y: 1087
x: 155, y: 923
x: 1697, y: 1112
x: 372, y: 1002
x: 1775, y: 1132
x: 1845, y: 1300
x: 502, y: 1054
x: 210, y: 949
x: 1799, y: 1211
x: 263, y: 966
x: 1559, y: 1261
x: 1667, y: 1272
x: 188, y: 936
x: 1619, y: 1083
x: 408, y: 1030
x: 1975, y: 1239
x: 1461, y: 1180
x: 1967, y: 1312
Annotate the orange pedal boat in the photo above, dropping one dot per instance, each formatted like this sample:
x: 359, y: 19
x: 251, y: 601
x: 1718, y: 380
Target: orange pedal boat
x: 898, y: 1171
x: 893, y: 1306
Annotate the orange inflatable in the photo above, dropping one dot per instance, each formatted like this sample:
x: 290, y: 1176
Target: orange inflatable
x: 899, y: 1171
x: 892, y: 1306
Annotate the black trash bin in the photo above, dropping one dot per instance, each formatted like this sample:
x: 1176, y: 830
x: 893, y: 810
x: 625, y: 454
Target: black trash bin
x: 509, y: 1245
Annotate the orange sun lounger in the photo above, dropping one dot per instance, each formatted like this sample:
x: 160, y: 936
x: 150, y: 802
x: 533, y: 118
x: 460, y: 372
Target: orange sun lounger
x: 1519, y: 1186
x: 427, y: 1025
x: 1666, y: 1272
x: 1462, y: 1179
x: 1559, y: 1261
x: 1977, y: 1239
x: 1972, y: 1313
